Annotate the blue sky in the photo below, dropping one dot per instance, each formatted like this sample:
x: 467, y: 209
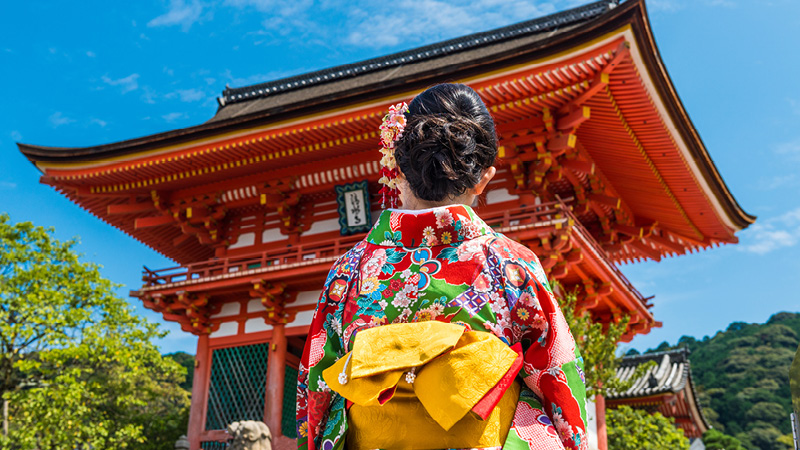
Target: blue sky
x: 110, y: 71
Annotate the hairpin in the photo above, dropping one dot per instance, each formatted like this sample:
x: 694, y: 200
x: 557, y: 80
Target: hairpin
x: 391, y: 130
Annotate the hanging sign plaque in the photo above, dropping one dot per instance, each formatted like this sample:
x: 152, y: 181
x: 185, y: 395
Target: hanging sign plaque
x: 354, y: 208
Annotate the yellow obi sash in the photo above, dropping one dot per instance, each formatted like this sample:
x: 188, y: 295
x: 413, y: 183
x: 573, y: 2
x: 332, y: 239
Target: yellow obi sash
x: 414, y: 385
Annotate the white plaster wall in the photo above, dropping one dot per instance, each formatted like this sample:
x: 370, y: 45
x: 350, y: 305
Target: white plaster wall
x: 324, y: 226
x: 256, y: 324
x: 255, y: 305
x: 302, y: 318
x: 591, y: 427
x: 228, y: 309
x: 271, y: 235
x: 307, y: 298
x: 244, y: 240
x: 225, y: 329
x: 499, y: 195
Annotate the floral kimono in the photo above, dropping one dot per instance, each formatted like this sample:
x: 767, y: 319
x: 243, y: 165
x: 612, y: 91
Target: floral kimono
x: 445, y: 264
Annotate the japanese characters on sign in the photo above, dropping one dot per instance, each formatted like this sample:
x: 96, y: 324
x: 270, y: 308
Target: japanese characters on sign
x: 354, y: 207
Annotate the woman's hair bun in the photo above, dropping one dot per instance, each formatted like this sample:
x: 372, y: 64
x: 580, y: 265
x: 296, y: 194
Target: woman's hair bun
x: 448, y: 142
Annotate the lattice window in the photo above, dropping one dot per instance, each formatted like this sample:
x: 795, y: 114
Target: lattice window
x: 212, y: 445
x: 289, y: 419
x: 238, y: 383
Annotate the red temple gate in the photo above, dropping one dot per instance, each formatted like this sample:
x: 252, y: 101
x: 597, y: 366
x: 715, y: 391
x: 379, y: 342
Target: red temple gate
x: 599, y: 164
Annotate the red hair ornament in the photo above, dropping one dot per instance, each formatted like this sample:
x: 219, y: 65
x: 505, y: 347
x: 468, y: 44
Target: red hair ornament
x: 391, y: 130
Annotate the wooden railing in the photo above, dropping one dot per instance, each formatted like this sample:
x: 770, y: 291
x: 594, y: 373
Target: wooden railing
x: 537, y: 219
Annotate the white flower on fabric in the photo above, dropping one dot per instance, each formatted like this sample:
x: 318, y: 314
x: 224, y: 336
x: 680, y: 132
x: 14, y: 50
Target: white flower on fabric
x: 470, y: 251
x: 405, y: 274
x: 372, y: 268
x: 443, y: 218
x: 528, y: 300
x: 322, y: 386
x: 496, y: 308
x: 387, y: 243
x: 337, y: 326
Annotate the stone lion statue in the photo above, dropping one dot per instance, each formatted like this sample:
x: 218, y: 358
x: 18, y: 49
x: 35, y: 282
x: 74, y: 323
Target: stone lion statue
x: 250, y: 435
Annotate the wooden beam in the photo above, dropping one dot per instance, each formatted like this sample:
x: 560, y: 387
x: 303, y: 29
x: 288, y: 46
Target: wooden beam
x: 560, y: 143
x: 608, y: 200
x: 578, y: 165
x: 646, y: 250
x: 599, y: 83
x: 639, y: 232
x: 129, y: 208
x: 574, y: 119
x: 154, y: 221
x: 664, y: 242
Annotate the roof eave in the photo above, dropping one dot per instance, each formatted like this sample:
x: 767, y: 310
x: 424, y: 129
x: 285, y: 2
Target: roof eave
x: 646, y: 40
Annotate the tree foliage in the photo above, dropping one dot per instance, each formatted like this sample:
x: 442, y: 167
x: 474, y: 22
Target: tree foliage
x: 742, y: 376
x: 78, y: 367
x: 597, y: 343
x: 633, y: 429
x: 716, y: 440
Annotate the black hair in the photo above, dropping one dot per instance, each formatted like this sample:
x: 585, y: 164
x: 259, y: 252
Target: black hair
x: 448, y: 142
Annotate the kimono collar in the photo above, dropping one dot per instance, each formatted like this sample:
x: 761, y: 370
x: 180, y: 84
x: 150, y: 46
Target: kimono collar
x: 428, y: 227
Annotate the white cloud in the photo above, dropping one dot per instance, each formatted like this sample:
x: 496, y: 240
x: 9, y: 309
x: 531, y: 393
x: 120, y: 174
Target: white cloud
x: 190, y: 95
x: 235, y: 81
x: 128, y: 84
x: 794, y: 105
x: 58, y: 119
x: 91, y: 54
x: 15, y: 135
x: 277, y: 7
x: 180, y: 13
x: 7, y: 185
x: 101, y: 123
x: 778, y: 181
x: 789, y: 149
x: 411, y: 21
x: 772, y: 234
x: 172, y: 117
x: 148, y: 95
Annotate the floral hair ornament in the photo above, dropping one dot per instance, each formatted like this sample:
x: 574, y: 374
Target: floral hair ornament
x: 391, y: 130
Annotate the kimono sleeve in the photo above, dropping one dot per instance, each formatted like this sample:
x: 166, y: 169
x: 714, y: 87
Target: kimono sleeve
x: 323, y: 347
x: 552, y: 365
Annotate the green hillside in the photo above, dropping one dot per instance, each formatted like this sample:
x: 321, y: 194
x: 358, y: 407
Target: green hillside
x: 742, y: 375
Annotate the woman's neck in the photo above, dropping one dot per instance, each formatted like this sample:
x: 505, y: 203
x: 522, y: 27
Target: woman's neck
x: 411, y: 202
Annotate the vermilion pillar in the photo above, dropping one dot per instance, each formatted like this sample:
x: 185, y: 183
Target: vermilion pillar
x: 276, y: 372
x: 602, y: 434
x: 197, y: 413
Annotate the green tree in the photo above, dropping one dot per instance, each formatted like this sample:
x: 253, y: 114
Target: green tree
x: 597, y: 343
x: 717, y: 440
x: 741, y: 377
x: 93, y: 377
x: 187, y: 362
x: 632, y: 429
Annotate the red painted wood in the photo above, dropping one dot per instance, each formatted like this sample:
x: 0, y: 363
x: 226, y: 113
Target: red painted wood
x: 197, y: 413
x: 600, y: 415
x: 276, y: 372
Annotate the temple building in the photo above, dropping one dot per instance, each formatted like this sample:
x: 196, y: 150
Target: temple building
x: 667, y: 387
x: 599, y: 165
